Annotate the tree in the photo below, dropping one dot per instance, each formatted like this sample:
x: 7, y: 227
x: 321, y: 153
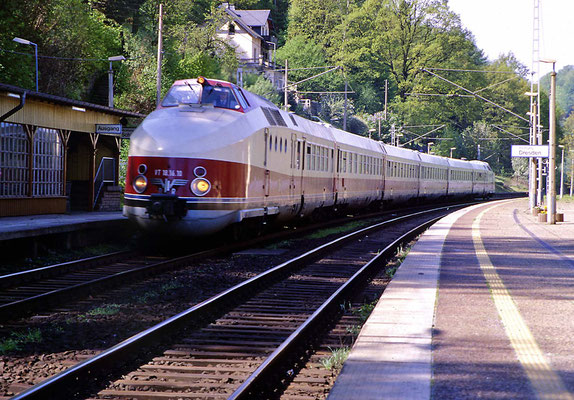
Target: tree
x: 74, y: 42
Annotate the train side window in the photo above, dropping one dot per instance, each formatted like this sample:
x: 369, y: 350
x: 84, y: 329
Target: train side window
x: 281, y: 145
x: 241, y: 99
x: 270, y: 142
x: 308, y: 161
x: 275, y: 143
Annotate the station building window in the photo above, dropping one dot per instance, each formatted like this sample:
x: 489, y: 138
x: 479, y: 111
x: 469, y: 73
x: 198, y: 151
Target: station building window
x: 47, y: 162
x: 14, y: 161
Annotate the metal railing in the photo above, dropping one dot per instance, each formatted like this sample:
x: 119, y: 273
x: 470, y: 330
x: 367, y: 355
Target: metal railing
x: 106, y: 174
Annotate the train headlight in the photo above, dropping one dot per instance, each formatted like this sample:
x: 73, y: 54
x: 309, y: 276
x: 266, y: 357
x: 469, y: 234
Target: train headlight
x: 140, y: 184
x: 200, y: 186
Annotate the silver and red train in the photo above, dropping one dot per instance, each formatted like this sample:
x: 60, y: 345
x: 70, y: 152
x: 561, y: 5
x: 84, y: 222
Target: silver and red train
x: 213, y: 155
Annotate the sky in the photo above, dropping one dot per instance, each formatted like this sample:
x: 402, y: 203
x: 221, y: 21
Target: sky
x: 501, y: 26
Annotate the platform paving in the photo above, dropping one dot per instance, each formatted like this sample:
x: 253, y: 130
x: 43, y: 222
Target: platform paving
x: 38, y: 225
x: 481, y: 308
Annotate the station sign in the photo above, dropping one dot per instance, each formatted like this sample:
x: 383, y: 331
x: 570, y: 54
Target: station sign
x: 531, y: 151
x: 109, y: 129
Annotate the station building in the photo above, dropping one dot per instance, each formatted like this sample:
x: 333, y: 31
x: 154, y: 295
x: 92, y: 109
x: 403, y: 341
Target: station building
x: 57, y: 154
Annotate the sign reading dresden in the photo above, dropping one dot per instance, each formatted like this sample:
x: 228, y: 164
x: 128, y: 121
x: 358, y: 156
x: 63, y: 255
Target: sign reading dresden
x: 530, y: 151
x: 109, y: 129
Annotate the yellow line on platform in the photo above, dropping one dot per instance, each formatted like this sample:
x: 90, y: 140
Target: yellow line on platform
x: 544, y: 380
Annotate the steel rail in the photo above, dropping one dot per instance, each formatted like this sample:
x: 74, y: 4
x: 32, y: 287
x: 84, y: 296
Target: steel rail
x: 45, y: 300
x: 64, y: 384
x: 49, y: 271
x: 265, y: 378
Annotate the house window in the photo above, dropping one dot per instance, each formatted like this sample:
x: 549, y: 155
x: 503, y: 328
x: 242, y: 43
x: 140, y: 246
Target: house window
x: 231, y: 28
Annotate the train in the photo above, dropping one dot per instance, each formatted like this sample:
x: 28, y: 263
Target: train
x: 213, y: 155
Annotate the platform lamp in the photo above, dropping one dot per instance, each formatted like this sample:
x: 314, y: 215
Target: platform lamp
x: 451, y: 149
x: 551, y: 200
x: 562, y: 172
x: 371, y: 132
x: 25, y: 41
x: 429, y: 144
x: 111, y: 80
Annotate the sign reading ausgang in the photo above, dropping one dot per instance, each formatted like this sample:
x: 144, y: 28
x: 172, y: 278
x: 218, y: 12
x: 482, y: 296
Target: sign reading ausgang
x: 530, y: 151
x: 109, y: 129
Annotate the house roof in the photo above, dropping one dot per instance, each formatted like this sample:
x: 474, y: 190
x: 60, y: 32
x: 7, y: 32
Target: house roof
x: 248, y: 19
x: 254, y: 17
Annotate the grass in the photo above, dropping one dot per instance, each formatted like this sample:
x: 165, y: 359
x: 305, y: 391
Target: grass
x: 506, y: 184
x: 108, y: 309
x: 17, y: 339
x: 336, y: 359
x: 162, y: 291
x: 400, y: 257
x: 365, y: 310
x: 323, y: 233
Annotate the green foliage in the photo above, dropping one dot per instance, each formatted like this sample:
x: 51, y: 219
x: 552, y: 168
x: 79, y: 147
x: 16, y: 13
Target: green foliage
x: 263, y: 87
x: 336, y: 359
x: 61, y: 28
x: 18, y: 339
x: 564, y: 89
x: 365, y: 310
x: 372, y: 40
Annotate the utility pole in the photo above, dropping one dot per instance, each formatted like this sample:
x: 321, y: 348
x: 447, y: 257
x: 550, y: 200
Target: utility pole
x: 159, y: 55
x: 385, y: 112
x: 551, y: 191
x: 285, y: 91
x: 535, y: 165
x: 345, y: 110
x: 562, y: 172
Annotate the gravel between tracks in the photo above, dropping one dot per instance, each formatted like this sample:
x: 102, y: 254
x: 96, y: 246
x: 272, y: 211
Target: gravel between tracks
x: 49, y: 343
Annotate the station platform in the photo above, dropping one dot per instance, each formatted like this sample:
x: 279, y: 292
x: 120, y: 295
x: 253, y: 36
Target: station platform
x: 481, y: 308
x: 69, y: 230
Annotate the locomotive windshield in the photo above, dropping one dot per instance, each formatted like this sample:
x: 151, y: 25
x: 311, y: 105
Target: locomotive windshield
x: 219, y: 96
x: 182, y: 94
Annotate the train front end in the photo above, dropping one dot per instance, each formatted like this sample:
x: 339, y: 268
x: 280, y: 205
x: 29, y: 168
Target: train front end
x: 177, y: 177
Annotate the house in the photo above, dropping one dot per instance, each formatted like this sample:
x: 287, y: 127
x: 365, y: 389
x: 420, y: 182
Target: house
x: 249, y: 31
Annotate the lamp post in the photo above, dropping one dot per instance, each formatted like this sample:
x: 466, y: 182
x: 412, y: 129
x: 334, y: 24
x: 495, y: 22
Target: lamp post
x: 24, y: 41
x: 429, y: 144
x: 371, y: 132
x: 451, y: 149
x: 551, y: 199
x: 562, y: 172
x: 111, y: 80
x: 398, y: 136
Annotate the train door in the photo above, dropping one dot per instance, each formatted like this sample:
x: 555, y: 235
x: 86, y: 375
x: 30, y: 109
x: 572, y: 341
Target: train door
x: 381, y: 173
x: 336, y: 173
x: 297, y: 172
x: 293, y: 185
x: 267, y: 173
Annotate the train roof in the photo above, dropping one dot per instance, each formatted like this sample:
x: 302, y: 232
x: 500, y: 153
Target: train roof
x: 351, y: 139
x: 480, y: 165
x: 401, y: 152
x: 432, y: 159
x: 453, y: 162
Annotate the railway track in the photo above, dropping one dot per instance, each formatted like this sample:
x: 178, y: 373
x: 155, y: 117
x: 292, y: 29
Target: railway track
x: 260, y: 334
x: 39, y: 289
